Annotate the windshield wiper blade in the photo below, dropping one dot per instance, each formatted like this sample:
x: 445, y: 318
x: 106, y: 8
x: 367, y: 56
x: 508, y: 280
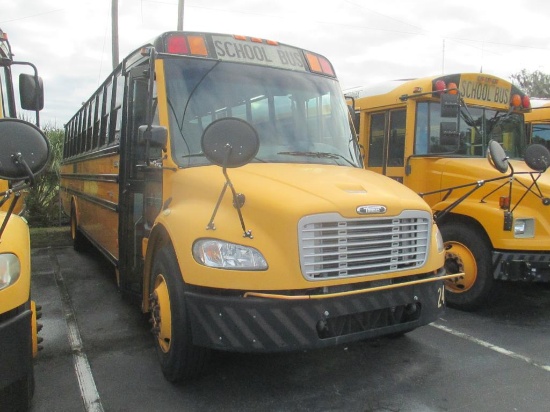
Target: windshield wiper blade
x: 320, y: 155
x: 193, y: 155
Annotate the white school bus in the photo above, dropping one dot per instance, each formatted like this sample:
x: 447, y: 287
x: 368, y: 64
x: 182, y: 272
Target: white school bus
x: 432, y: 134
x: 219, y: 174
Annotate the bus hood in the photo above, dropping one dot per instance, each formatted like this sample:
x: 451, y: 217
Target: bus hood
x: 455, y: 171
x: 452, y: 172
x: 302, y: 188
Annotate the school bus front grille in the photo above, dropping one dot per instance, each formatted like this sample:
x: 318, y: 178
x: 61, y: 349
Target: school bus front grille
x: 335, y: 247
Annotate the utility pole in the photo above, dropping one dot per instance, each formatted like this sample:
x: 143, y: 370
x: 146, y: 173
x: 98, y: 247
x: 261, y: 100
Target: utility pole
x: 114, y: 21
x: 443, y: 59
x: 180, y: 15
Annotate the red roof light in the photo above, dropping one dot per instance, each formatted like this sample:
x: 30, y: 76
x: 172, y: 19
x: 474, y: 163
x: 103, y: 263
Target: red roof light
x: 440, y: 86
x: 176, y: 44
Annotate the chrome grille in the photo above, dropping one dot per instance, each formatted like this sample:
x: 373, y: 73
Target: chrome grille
x: 334, y: 247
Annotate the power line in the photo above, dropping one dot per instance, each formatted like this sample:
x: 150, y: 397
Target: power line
x: 32, y: 16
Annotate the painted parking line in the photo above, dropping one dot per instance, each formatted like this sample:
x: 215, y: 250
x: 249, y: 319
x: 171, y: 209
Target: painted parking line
x: 88, y: 390
x: 489, y: 345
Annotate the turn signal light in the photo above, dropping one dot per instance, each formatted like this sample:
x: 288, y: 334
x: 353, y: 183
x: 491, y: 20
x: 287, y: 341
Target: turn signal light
x: 452, y: 88
x: 319, y: 64
x: 516, y: 100
x: 504, y: 202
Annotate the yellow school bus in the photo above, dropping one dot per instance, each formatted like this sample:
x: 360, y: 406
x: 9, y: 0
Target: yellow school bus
x: 537, y: 124
x: 219, y: 174
x: 432, y: 134
x: 24, y: 153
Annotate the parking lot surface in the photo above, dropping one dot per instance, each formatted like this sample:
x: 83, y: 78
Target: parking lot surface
x: 99, y: 356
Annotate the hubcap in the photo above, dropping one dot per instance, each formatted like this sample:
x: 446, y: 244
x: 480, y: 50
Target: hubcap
x: 458, y: 258
x: 161, y: 317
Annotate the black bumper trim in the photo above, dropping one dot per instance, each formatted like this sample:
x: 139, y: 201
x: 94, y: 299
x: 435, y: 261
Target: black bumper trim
x: 16, y: 348
x: 255, y: 324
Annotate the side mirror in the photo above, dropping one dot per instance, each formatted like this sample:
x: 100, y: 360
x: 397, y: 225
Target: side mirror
x: 537, y: 157
x: 31, y: 92
x: 450, y: 105
x: 157, y: 136
x: 25, y: 149
x: 230, y: 142
x: 497, y: 156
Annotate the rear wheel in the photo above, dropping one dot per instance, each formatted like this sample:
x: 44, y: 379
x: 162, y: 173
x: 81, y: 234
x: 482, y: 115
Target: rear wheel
x: 467, y: 251
x: 179, y: 358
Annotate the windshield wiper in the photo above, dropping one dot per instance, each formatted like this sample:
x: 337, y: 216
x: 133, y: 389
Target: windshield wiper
x: 320, y: 155
x: 193, y: 155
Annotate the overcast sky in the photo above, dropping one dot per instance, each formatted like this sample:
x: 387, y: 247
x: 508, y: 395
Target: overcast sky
x: 367, y: 41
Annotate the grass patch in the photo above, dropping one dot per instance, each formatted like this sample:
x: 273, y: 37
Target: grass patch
x: 50, y: 236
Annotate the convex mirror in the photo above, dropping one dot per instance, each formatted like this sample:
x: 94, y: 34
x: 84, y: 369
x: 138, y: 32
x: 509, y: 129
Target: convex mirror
x: 497, y: 156
x: 18, y: 137
x: 537, y: 157
x: 230, y: 142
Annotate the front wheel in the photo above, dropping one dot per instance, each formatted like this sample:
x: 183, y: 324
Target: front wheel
x: 80, y: 243
x: 469, y: 252
x: 179, y: 358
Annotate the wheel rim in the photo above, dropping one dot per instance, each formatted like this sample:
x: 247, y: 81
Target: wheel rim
x: 460, y: 259
x: 161, y: 314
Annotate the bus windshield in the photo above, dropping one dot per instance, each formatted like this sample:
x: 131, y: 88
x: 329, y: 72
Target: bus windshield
x: 476, y: 126
x: 299, y: 117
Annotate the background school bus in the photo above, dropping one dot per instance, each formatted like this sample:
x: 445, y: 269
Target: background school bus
x: 498, y: 227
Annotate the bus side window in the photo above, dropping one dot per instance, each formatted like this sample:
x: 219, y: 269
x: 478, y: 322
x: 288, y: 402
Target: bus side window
x: 116, y: 110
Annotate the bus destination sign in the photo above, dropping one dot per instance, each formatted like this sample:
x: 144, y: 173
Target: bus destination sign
x: 484, y: 88
x: 229, y: 49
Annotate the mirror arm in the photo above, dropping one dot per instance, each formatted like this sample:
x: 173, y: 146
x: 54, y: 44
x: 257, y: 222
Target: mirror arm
x: 439, y: 215
x: 18, y: 160
x: 237, y: 202
x: 149, y: 106
x: 477, y: 185
x: 9, y: 213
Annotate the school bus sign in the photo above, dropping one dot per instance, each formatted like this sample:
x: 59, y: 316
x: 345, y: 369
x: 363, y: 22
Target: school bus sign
x: 485, y: 89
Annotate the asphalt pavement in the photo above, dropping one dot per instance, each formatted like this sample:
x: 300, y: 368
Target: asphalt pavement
x: 99, y: 356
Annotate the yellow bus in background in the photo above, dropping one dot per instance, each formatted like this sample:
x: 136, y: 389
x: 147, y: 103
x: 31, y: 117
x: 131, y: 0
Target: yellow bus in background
x: 219, y: 174
x: 538, y: 124
x: 24, y: 151
x: 431, y: 134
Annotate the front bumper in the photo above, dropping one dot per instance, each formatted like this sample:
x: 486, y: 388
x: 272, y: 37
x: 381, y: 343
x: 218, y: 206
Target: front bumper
x: 15, y: 347
x: 260, y: 324
x: 523, y: 266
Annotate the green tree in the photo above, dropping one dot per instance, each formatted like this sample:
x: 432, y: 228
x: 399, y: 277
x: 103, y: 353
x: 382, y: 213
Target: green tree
x: 535, y: 84
x: 42, y: 201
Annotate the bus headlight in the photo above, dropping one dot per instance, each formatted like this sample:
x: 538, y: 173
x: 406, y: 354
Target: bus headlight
x: 439, y: 241
x: 10, y: 269
x: 524, y: 228
x: 224, y: 255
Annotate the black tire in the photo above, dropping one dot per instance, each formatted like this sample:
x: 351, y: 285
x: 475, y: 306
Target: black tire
x: 179, y: 358
x: 468, y: 251
x: 18, y: 396
x: 80, y: 243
